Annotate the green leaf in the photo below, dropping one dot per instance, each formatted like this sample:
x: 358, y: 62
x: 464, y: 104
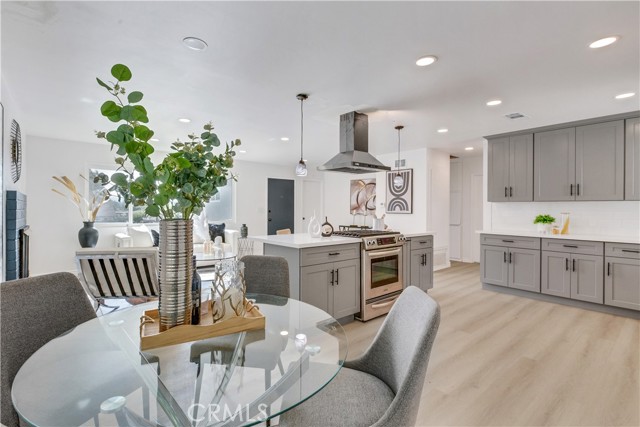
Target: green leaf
x: 148, y: 166
x: 205, y: 135
x: 109, y: 108
x: 120, y: 179
x: 187, y: 188
x: 160, y: 199
x: 103, y: 84
x: 132, y: 114
x: 121, y: 72
x: 143, y: 113
x: 135, y: 97
x: 183, y: 163
x: 116, y: 137
x: 152, y: 210
x: 125, y: 128
x: 142, y: 132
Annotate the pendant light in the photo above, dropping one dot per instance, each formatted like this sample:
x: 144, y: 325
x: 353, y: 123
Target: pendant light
x: 398, y: 180
x: 301, y: 167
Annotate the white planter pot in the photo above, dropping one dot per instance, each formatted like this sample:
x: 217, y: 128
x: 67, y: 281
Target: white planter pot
x: 544, y: 228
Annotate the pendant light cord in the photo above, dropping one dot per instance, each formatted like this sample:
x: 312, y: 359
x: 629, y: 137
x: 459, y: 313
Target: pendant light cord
x: 301, y: 127
x: 399, y: 128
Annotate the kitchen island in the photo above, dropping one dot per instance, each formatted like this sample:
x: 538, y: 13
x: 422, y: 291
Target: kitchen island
x: 323, y: 271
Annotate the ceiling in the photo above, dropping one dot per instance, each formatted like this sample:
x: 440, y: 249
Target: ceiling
x: 346, y: 55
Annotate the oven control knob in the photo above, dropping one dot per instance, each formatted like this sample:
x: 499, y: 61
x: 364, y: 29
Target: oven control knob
x: 371, y: 242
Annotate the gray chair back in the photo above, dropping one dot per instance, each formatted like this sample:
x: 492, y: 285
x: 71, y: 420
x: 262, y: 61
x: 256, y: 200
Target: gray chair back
x: 266, y: 275
x: 33, y: 311
x: 399, y: 354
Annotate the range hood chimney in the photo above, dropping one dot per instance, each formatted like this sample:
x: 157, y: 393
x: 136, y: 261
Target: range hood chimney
x: 354, y: 154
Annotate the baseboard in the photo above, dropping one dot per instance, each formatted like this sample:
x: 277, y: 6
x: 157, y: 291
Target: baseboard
x: 564, y: 301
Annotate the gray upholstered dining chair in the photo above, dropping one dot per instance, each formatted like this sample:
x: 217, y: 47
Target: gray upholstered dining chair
x: 383, y: 386
x: 266, y: 275
x: 33, y: 312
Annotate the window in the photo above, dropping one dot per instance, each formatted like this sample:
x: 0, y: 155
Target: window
x: 114, y: 210
x: 221, y: 206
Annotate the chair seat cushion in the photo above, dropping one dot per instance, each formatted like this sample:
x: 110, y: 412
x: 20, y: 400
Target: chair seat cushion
x: 352, y: 398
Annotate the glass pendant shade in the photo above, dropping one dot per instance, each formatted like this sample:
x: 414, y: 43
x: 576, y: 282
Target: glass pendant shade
x: 301, y: 168
x: 398, y: 180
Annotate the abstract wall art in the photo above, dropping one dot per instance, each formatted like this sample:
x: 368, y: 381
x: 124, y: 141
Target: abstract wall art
x: 363, y: 196
x: 400, y: 197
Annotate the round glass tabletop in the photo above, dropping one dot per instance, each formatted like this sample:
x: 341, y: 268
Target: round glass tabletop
x: 95, y: 373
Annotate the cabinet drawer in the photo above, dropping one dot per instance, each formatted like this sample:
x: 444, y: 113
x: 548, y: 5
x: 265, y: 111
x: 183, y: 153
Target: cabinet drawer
x: 320, y: 255
x: 421, y: 242
x: 573, y: 246
x: 622, y: 250
x: 510, y: 241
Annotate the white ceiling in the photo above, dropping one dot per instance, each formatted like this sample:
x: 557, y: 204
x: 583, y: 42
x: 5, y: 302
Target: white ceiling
x: 345, y: 55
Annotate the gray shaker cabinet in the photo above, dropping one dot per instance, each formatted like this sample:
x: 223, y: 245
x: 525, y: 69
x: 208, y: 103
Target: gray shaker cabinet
x: 554, y: 165
x: 315, y: 284
x: 622, y: 275
x: 587, y: 278
x: 333, y: 287
x: 511, y: 169
x: 493, y: 265
x: 600, y: 161
x: 421, y: 262
x: 632, y: 160
x: 556, y: 274
x: 524, y: 269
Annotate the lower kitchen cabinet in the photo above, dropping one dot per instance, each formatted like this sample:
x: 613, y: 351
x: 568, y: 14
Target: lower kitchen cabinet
x: 511, y: 267
x: 575, y: 276
x: 333, y: 287
x: 420, y: 262
x: 622, y: 276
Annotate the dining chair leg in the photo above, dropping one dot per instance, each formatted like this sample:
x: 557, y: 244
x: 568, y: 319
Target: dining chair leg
x: 267, y: 386
x: 96, y: 420
x: 196, y: 396
x: 280, y: 367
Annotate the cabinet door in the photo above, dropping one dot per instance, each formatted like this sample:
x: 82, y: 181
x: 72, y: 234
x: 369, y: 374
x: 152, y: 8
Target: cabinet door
x: 315, y: 283
x: 622, y: 283
x: 521, y: 168
x: 498, y: 164
x: 556, y: 274
x: 427, y: 270
x: 417, y: 259
x: 632, y: 160
x: 524, y: 269
x: 346, y: 288
x: 600, y: 161
x: 554, y: 166
x: 587, y: 278
x: 493, y: 265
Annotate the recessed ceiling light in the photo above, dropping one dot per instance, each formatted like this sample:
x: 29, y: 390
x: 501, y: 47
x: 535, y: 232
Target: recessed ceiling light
x: 284, y: 333
x: 469, y: 148
x: 184, y: 120
x: 194, y: 43
x: 625, y: 95
x: 604, y: 42
x: 154, y: 140
x: 242, y: 151
x: 284, y: 138
x: 494, y: 102
x: 426, y: 60
x: 443, y: 130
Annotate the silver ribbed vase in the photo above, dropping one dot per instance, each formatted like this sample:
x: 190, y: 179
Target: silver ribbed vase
x: 175, y: 272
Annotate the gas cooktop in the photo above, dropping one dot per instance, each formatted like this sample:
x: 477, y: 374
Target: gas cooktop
x: 362, y: 233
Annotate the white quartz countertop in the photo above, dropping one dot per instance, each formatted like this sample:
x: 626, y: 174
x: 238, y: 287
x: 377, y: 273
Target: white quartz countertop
x: 591, y: 237
x: 424, y: 233
x: 303, y: 240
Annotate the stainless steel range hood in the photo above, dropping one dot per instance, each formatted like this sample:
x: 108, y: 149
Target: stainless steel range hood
x: 354, y: 154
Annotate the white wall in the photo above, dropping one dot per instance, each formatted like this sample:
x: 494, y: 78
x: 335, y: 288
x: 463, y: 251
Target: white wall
x: 620, y: 218
x: 55, y: 221
x: 472, y: 207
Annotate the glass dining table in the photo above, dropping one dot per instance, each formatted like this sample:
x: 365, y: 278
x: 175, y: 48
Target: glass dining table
x: 95, y: 374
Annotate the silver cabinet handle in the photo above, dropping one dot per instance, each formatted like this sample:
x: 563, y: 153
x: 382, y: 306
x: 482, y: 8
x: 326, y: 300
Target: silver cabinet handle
x: 384, y: 304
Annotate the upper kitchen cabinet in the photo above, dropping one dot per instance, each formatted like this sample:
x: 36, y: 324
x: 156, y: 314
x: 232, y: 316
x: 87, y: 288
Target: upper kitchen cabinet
x: 581, y: 163
x: 600, y: 161
x: 632, y: 160
x: 511, y: 169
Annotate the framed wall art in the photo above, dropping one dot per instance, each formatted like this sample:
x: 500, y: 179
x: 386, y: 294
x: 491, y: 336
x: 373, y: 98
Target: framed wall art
x: 400, y: 196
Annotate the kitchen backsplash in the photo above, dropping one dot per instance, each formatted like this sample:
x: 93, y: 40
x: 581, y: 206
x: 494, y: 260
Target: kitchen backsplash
x: 606, y: 218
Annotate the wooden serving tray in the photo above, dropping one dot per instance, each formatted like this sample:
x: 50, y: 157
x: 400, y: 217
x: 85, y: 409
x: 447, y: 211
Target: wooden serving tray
x: 151, y: 337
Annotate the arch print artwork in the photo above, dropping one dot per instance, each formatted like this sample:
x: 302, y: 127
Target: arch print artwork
x: 363, y: 196
x: 400, y: 197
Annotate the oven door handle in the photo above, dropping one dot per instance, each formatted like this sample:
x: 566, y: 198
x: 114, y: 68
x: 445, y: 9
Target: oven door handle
x: 379, y: 254
x: 384, y: 304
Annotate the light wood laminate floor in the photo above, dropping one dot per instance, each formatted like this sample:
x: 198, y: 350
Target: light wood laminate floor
x: 512, y: 361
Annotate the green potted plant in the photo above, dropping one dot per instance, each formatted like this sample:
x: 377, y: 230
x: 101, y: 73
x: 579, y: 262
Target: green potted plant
x: 544, y: 222
x: 174, y: 190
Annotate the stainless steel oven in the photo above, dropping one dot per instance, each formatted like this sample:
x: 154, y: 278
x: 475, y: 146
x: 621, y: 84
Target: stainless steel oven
x: 382, y: 274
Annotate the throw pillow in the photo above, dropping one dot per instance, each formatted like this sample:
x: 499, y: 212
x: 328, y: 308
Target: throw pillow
x: 216, y: 230
x: 156, y: 238
x: 141, y: 236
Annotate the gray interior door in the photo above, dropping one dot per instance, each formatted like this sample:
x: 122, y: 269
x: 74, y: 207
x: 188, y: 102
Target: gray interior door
x: 554, y: 165
x: 280, y: 205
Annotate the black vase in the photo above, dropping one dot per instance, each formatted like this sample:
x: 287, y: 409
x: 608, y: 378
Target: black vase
x: 88, y: 236
x: 244, y: 231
